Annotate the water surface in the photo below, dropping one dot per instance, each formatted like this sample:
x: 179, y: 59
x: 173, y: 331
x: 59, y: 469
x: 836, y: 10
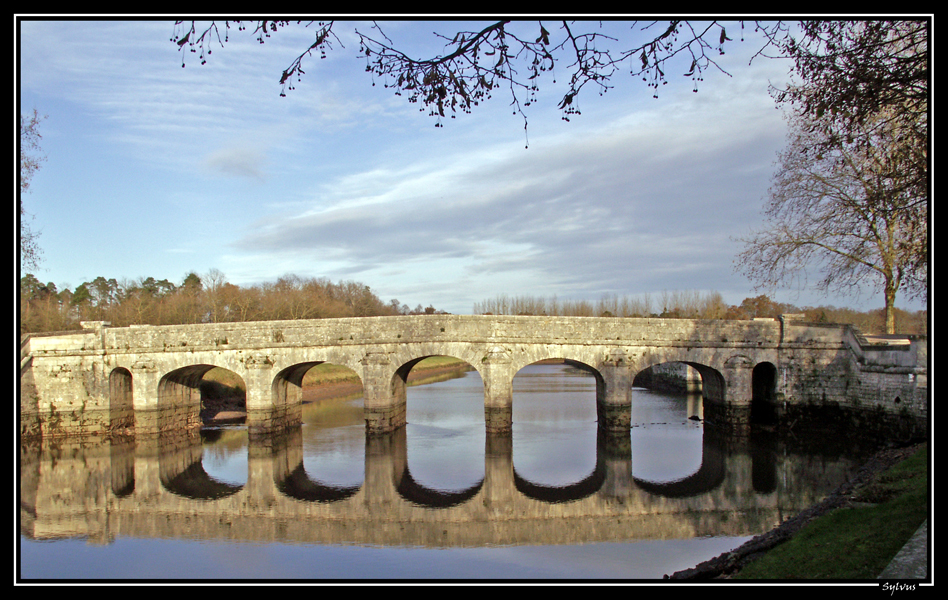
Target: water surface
x: 556, y: 499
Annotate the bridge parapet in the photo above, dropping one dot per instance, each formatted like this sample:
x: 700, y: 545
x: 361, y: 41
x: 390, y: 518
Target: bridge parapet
x: 439, y: 328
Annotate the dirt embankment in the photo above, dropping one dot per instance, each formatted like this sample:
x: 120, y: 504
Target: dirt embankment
x: 231, y: 409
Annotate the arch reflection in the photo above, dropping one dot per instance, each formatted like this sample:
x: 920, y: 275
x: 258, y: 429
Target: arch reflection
x: 555, y: 430
x: 392, y: 509
x: 194, y: 483
x: 444, y: 437
x: 562, y: 493
x: 708, y: 477
x: 299, y: 485
x: 411, y: 490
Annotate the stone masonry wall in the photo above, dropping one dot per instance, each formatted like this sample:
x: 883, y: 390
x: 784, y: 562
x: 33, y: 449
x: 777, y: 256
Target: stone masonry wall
x: 65, y: 378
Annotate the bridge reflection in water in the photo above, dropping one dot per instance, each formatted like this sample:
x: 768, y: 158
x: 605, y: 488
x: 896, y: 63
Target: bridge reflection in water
x: 161, y: 488
x: 442, y: 481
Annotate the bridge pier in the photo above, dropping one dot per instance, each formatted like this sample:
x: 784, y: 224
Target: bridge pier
x: 498, y: 472
x: 145, y: 378
x: 730, y: 407
x: 384, y: 394
x: 614, y: 392
x: 497, y: 374
x: 268, y: 410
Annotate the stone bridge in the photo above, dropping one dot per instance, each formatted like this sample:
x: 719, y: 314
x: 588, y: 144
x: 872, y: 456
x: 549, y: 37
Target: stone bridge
x: 146, y: 378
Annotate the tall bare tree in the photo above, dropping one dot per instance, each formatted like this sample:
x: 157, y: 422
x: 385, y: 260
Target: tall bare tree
x: 858, y: 77
x: 842, y: 213
x: 31, y: 157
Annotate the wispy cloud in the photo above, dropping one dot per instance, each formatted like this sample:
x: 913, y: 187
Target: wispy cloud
x: 237, y: 162
x: 349, y: 181
x: 625, y: 207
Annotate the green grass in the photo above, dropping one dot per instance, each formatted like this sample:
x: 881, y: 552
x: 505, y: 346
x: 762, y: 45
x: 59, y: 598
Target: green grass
x: 329, y: 373
x: 855, y: 543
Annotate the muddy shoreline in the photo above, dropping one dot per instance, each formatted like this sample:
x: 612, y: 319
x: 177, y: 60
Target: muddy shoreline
x: 230, y: 410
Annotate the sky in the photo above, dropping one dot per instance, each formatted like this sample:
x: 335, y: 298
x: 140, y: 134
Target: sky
x: 157, y: 170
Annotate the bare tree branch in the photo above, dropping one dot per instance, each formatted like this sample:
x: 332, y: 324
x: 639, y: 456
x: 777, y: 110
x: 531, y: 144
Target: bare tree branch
x: 476, y: 63
x: 31, y: 157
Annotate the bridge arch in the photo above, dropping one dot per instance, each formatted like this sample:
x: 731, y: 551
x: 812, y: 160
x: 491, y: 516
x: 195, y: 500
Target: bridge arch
x: 764, y: 394
x: 455, y: 392
x: 393, y: 373
x: 713, y: 384
x: 671, y: 452
x: 400, y: 378
x: 592, y: 375
x: 288, y: 386
x: 186, y: 397
x: 570, y: 471
x: 121, y: 400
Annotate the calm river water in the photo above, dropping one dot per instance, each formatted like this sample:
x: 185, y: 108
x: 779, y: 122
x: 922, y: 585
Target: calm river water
x: 440, y: 499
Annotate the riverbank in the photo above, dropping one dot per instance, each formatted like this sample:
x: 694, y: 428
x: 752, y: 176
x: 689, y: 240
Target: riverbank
x: 852, y: 535
x: 224, y: 401
x: 338, y: 382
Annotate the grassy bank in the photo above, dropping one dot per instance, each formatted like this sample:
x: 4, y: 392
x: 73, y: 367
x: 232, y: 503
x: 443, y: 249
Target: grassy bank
x: 858, y: 540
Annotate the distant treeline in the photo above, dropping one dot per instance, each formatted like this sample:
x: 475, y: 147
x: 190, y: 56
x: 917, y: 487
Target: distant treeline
x: 197, y: 299
x: 212, y: 299
x: 698, y: 305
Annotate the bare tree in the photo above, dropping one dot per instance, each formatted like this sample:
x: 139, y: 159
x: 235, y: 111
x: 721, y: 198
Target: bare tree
x: 857, y: 77
x: 31, y: 157
x: 214, y: 281
x: 839, y: 212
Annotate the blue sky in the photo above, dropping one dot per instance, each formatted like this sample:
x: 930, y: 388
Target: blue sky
x: 157, y: 170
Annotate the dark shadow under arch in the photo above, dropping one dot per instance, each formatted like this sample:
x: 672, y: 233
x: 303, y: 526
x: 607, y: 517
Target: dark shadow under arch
x: 709, y: 476
x: 121, y: 400
x: 554, y: 494
x: 299, y: 485
x: 764, y: 394
x: 196, y: 484
x: 411, y: 490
